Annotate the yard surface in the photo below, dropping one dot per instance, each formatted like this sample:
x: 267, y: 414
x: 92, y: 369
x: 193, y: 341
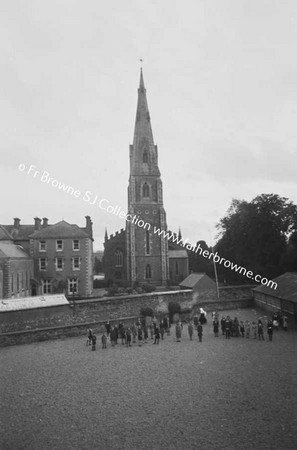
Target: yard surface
x: 219, y: 394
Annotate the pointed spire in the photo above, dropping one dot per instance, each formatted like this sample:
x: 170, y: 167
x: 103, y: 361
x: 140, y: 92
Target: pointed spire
x: 106, y: 235
x: 143, y: 140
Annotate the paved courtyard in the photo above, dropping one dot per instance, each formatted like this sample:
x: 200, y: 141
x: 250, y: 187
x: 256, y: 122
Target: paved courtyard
x: 219, y: 394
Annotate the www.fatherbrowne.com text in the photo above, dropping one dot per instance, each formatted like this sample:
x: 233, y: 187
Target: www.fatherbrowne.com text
x: 105, y: 205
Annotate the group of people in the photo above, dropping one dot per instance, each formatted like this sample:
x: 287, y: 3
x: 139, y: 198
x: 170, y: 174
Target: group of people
x: 140, y: 332
x: 236, y: 328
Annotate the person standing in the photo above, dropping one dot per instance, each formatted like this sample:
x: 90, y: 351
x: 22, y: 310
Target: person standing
x: 260, y: 330
x: 200, y: 331
x: 157, y: 335
x: 139, y: 335
x: 216, y: 327
x: 178, y: 332
x: 227, y: 327
x: 94, y: 339
x: 223, y: 321
x: 190, y: 330
x: 285, y: 323
x: 103, y: 340
x: 270, y: 329
x: 128, y: 337
x: 247, y: 329
x: 113, y: 336
x: 108, y: 328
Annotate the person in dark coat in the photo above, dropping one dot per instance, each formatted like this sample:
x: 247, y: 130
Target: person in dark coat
x: 196, y: 320
x: 122, y: 334
x: 94, y: 339
x: 216, y: 327
x: 260, y: 330
x: 162, y: 329
x: 270, y: 329
x: 116, y: 329
x: 200, y: 331
x: 139, y: 335
x: 157, y: 335
x: 227, y: 327
x: 128, y: 337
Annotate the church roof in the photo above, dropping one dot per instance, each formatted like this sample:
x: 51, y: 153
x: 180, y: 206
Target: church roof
x: 61, y: 230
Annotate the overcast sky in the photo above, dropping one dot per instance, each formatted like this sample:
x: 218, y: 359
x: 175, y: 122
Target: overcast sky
x: 221, y: 80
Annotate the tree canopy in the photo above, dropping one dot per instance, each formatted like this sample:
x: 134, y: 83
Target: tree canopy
x: 260, y: 235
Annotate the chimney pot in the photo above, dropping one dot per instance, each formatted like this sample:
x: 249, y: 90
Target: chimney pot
x: 16, y: 222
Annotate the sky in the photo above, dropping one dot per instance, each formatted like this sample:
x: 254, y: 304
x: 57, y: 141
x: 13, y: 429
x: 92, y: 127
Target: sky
x: 221, y: 81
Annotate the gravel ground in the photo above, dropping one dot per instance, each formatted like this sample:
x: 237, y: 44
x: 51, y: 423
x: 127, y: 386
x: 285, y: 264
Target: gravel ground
x: 219, y: 394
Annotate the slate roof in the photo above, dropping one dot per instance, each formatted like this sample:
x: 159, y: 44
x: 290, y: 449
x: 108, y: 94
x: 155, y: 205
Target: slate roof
x: 42, y: 301
x: 286, y: 287
x: 10, y: 250
x: 4, y: 234
x: 61, y: 230
x: 21, y: 233
x: 192, y: 279
x: 177, y: 254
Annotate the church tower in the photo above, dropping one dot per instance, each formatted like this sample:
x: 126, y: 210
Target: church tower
x: 147, y: 252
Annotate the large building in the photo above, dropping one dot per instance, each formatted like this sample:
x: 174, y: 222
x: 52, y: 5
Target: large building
x: 62, y: 254
x: 137, y: 254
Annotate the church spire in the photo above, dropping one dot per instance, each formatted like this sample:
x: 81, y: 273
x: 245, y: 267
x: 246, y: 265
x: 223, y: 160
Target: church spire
x: 143, y: 149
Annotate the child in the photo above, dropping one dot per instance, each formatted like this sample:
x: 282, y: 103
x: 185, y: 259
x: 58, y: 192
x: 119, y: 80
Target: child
x: 128, y: 337
x: 254, y: 330
x: 241, y: 327
x: 94, y: 342
x: 200, y: 331
x: 103, y: 340
x: 247, y: 329
x: 190, y: 330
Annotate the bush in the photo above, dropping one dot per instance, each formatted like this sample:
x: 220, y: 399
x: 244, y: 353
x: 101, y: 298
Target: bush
x: 112, y: 291
x: 129, y: 291
x: 174, y: 308
x: 148, y: 288
x: 146, y: 311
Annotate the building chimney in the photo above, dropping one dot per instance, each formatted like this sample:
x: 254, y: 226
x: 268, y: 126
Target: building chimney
x: 37, y: 223
x: 16, y: 222
x: 89, y: 226
x: 45, y: 222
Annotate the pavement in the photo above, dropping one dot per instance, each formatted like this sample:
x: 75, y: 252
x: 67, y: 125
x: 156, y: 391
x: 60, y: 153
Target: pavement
x: 219, y: 394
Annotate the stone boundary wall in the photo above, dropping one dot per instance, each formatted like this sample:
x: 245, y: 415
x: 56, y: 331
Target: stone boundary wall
x: 74, y: 320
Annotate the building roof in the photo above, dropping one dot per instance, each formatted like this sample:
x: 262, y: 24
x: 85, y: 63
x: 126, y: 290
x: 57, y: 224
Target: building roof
x: 10, y: 250
x: 286, y: 287
x: 22, y: 232
x: 17, y: 304
x: 192, y: 279
x: 177, y: 254
x: 61, y: 230
x: 4, y: 234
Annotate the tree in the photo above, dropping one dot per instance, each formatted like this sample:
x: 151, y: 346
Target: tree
x: 198, y: 263
x: 255, y: 235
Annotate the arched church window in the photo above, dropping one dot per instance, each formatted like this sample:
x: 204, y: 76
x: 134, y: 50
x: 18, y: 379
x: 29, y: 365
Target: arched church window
x: 145, y: 190
x: 145, y: 157
x: 148, y: 271
x: 118, y: 258
x: 147, y: 242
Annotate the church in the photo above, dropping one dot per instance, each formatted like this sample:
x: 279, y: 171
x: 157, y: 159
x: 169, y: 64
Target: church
x: 136, y: 254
